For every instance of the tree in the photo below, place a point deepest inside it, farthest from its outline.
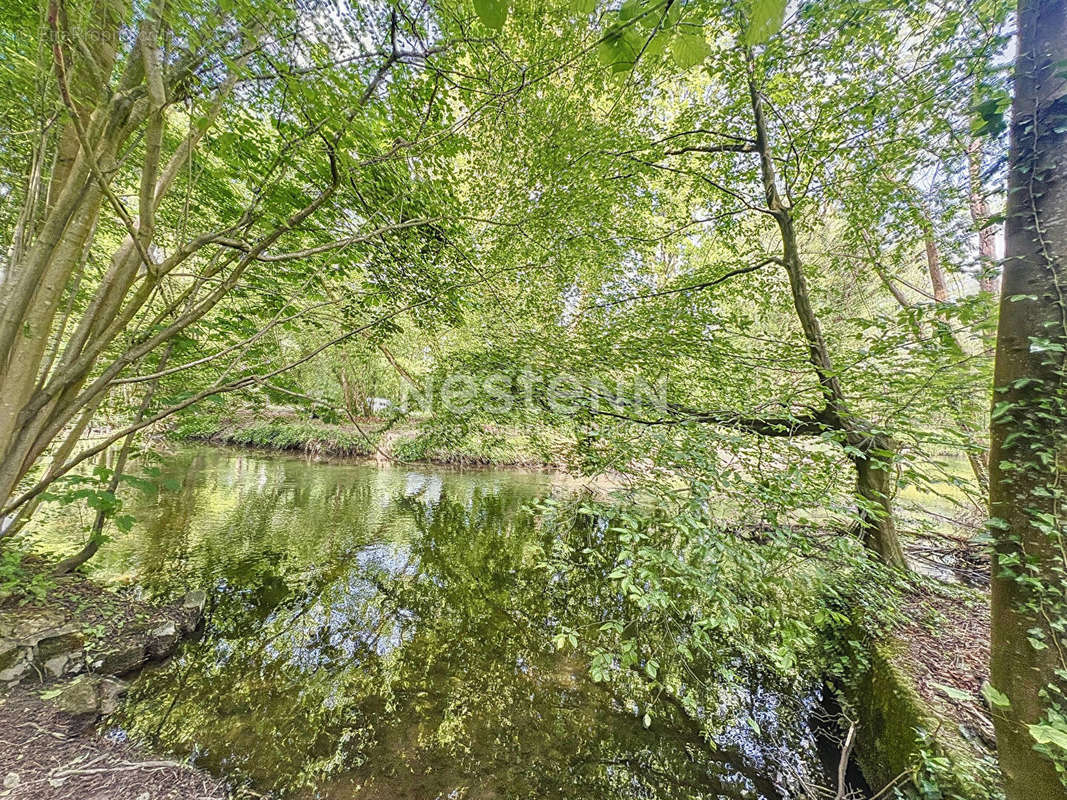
(1029, 423)
(755, 164)
(268, 152)
(871, 451)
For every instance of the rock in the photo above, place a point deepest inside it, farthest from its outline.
(90, 694)
(41, 638)
(11, 780)
(14, 661)
(15, 672)
(195, 601)
(64, 664)
(32, 624)
(59, 652)
(191, 610)
(56, 666)
(121, 659)
(111, 691)
(80, 696)
(61, 641)
(164, 640)
(10, 654)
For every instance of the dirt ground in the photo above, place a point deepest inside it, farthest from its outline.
(47, 754)
(50, 754)
(947, 635)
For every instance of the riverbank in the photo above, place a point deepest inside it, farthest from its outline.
(68, 649)
(407, 442)
(918, 695)
(50, 754)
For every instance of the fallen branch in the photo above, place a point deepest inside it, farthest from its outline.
(152, 765)
(842, 765)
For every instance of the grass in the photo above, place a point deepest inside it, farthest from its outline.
(491, 445)
(499, 446)
(299, 435)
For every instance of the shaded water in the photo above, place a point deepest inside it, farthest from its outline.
(388, 633)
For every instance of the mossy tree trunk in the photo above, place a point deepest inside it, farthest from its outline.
(1029, 423)
(874, 493)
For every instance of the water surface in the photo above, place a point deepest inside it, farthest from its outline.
(388, 633)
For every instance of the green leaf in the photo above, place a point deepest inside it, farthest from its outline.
(954, 693)
(688, 50)
(1046, 734)
(995, 697)
(629, 9)
(492, 13)
(765, 20)
(657, 45)
(619, 50)
(987, 117)
(583, 6)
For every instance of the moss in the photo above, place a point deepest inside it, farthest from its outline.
(900, 734)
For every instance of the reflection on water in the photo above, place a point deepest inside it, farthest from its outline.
(388, 633)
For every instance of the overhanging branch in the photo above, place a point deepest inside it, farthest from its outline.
(811, 424)
(696, 286)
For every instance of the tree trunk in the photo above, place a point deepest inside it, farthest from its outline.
(933, 262)
(987, 251)
(874, 495)
(96, 532)
(92, 545)
(978, 459)
(59, 457)
(874, 477)
(1029, 422)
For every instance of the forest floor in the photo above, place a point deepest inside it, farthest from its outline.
(65, 644)
(946, 617)
(917, 693)
(946, 637)
(50, 754)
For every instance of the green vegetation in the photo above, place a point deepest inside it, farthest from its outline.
(403, 443)
(911, 740)
(305, 436)
(734, 260)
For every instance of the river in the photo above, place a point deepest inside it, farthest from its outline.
(388, 632)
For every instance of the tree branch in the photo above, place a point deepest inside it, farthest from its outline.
(696, 286)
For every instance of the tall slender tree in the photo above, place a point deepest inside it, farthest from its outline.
(185, 153)
(1029, 423)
